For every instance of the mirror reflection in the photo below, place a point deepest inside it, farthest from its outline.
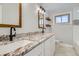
(9, 13)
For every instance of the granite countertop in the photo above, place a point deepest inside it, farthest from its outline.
(22, 44)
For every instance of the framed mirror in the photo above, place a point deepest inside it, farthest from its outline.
(10, 15)
(40, 20)
(41, 17)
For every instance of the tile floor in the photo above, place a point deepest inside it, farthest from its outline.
(64, 50)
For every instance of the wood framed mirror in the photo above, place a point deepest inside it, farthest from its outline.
(11, 15)
(41, 17)
(40, 20)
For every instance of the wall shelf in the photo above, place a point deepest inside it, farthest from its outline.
(48, 25)
(47, 18)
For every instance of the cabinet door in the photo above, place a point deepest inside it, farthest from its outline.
(42, 49)
(35, 52)
(52, 45)
(76, 13)
(47, 47)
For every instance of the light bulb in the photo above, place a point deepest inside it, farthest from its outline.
(38, 9)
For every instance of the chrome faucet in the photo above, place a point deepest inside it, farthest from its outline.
(12, 35)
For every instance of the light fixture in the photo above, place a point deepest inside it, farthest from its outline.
(37, 8)
(40, 9)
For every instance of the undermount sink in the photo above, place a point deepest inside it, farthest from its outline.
(13, 46)
(35, 37)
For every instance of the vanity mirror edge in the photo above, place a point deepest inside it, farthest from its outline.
(20, 19)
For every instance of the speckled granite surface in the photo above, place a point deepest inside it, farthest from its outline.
(33, 40)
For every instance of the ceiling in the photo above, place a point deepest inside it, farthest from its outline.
(58, 6)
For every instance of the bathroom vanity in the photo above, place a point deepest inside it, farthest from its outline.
(29, 45)
(45, 48)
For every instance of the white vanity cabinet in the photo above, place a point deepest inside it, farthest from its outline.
(46, 48)
(35, 52)
(52, 45)
(42, 49)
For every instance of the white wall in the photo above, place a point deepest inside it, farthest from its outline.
(63, 32)
(0, 14)
(29, 20)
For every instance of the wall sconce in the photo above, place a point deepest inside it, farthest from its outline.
(40, 9)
